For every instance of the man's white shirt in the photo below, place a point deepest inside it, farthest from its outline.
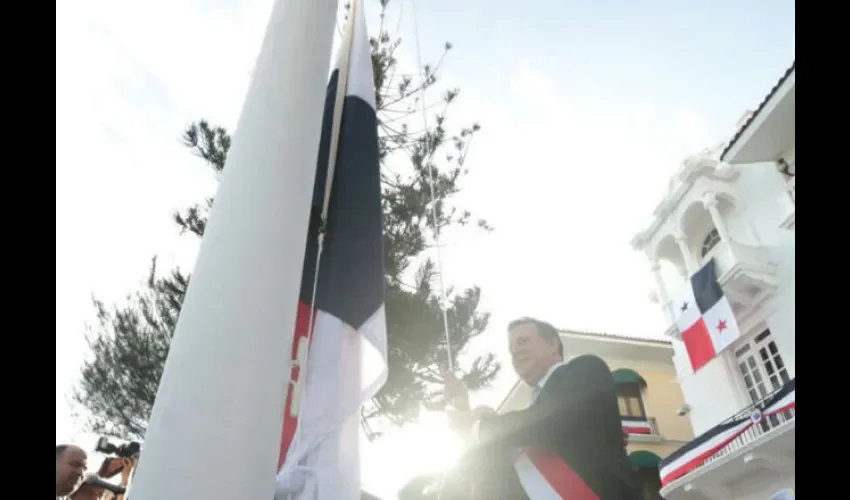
(540, 383)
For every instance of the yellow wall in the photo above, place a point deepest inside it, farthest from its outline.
(662, 398)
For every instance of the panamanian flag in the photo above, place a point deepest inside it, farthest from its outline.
(347, 362)
(704, 317)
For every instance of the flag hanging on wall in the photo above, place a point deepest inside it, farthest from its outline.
(346, 356)
(704, 317)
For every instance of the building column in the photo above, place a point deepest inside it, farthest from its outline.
(687, 255)
(709, 201)
(662, 291)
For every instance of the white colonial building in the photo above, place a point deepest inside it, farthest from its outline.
(735, 203)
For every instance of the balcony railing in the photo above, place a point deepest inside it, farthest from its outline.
(734, 433)
(653, 424)
(728, 255)
(767, 424)
(640, 426)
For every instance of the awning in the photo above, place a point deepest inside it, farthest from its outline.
(626, 376)
(643, 459)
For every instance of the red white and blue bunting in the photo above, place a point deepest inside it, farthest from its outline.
(697, 451)
(636, 426)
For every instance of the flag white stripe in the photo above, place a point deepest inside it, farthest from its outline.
(374, 367)
(685, 297)
(360, 83)
(345, 370)
(533, 483)
(721, 312)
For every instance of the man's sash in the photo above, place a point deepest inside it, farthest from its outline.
(546, 476)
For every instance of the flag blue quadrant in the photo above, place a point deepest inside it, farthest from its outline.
(346, 364)
(707, 291)
(351, 274)
(705, 317)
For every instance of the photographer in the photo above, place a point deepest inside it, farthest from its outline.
(70, 467)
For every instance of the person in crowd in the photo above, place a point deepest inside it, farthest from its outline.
(70, 467)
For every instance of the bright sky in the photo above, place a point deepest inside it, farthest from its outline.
(586, 108)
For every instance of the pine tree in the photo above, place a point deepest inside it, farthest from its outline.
(130, 341)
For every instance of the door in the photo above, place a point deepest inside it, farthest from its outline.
(761, 366)
(763, 371)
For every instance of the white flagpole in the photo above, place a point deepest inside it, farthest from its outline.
(215, 428)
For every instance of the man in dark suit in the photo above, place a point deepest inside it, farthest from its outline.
(573, 414)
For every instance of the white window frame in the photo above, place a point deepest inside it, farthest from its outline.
(754, 346)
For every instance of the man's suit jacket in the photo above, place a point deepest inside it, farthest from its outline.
(576, 416)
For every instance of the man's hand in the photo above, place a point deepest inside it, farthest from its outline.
(461, 416)
(457, 402)
(455, 392)
(481, 412)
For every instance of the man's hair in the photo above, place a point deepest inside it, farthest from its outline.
(60, 450)
(546, 331)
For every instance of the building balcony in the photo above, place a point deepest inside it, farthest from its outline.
(755, 447)
(642, 430)
(746, 274)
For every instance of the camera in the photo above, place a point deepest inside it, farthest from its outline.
(98, 482)
(127, 450)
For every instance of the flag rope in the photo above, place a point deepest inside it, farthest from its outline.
(431, 182)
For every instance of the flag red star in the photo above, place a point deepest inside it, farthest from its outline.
(721, 325)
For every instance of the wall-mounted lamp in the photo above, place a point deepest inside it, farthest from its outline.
(784, 168)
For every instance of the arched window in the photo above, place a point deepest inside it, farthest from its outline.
(711, 240)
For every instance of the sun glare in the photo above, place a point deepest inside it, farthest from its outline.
(424, 448)
(438, 448)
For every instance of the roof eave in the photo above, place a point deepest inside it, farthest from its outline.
(776, 93)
